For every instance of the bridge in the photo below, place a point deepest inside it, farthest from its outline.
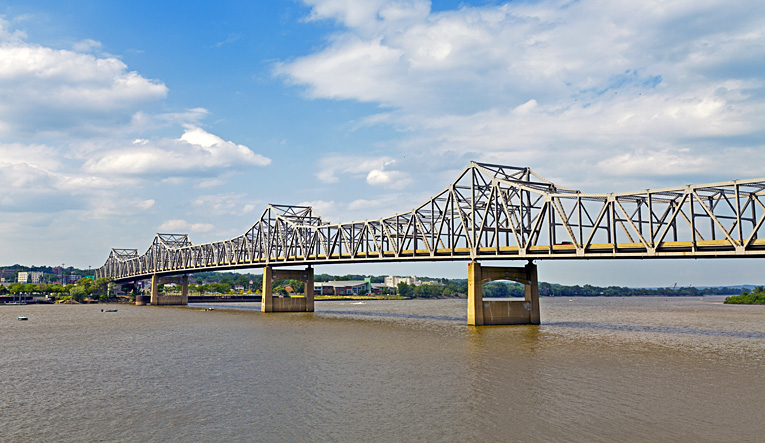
(490, 212)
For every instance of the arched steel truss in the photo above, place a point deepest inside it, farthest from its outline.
(488, 212)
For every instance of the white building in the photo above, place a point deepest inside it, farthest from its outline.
(35, 277)
(392, 281)
(29, 277)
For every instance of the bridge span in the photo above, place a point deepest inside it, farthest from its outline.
(490, 212)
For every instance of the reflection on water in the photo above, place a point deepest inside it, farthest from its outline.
(634, 369)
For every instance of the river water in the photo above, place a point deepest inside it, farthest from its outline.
(597, 369)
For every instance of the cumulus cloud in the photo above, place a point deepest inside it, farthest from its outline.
(195, 151)
(561, 86)
(79, 134)
(387, 178)
(44, 89)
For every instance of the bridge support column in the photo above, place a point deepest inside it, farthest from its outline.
(267, 298)
(168, 300)
(154, 300)
(475, 295)
(269, 303)
(502, 312)
(185, 289)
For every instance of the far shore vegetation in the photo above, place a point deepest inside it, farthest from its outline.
(756, 297)
(88, 289)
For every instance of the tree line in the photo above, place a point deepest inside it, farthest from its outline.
(84, 288)
(511, 289)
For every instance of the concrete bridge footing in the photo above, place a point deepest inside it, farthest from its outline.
(168, 300)
(502, 312)
(269, 303)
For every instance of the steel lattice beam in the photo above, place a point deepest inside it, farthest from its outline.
(489, 212)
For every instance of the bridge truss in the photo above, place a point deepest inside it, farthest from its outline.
(488, 212)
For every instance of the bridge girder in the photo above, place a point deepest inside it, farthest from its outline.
(488, 212)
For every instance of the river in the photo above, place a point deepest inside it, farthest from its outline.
(597, 369)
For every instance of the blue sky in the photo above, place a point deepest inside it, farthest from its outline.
(122, 119)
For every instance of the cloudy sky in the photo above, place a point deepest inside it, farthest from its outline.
(122, 119)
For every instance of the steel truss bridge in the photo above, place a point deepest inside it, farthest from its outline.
(489, 212)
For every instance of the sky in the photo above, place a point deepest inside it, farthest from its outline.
(119, 119)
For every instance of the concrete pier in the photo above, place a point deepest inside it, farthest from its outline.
(169, 300)
(269, 303)
(502, 312)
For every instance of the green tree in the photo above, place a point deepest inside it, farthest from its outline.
(427, 291)
(78, 293)
(57, 289)
(405, 290)
(86, 284)
(100, 288)
(756, 297)
(297, 286)
(222, 288)
(242, 280)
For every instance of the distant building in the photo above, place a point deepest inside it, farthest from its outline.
(36, 277)
(72, 279)
(29, 277)
(348, 287)
(7, 275)
(392, 281)
(432, 282)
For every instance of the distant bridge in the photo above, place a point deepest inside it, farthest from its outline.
(489, 212)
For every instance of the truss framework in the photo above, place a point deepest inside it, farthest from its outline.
(488, 212)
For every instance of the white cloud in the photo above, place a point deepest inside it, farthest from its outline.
(327, 210)
(195, 151)
(376, 170)
(105, 205)
(79, 135)
(361, 70)
(86, 45)
(44, 89)
(571, 89)
(387, 178)
(178, 226)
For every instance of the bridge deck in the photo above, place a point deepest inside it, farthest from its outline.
(488, 212)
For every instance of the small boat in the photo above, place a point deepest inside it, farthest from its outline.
(23, 318)
(110, 310)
